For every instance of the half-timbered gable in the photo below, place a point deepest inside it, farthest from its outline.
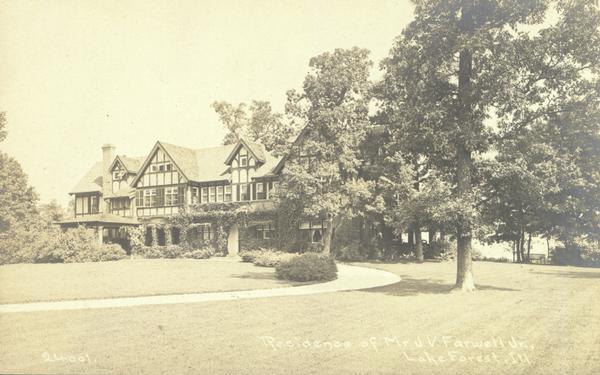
(250, 171)
(160, 186)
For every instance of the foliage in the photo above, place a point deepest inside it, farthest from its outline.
(17, 198)
(307, 267)
(2, 126)
(261, 125)
(460, 65)
(269, 258)
(583, 252)
(443, 250)
(250, 255)
(350, 253)
(203, 253)
(321, 171)
(175, 251)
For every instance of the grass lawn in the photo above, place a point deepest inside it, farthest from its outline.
(52, 282)
(524, 319)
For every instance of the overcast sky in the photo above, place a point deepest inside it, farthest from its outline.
(77, 74)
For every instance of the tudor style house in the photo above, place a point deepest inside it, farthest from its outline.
(122, 191)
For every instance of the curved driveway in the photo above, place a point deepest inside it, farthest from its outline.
(349, 278)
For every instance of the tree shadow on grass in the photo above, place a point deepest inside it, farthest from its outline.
(411, 287)
(257, 276)
(570, 274)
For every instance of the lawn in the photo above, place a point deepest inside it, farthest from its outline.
(125, 278)
(524, 319)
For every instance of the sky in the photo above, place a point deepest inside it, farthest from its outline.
(75, 75)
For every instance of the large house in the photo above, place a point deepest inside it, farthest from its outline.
(121, 191)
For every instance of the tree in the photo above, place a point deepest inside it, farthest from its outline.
(51, 212)
(460, 64)
(2, 126)
(258, 124)
(321, 170)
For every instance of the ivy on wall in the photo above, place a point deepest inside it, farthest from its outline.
(222, 216)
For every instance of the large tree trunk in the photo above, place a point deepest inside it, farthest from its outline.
(411, 237)
(418, 244)
(518, 249)
(529, 248)
(328, 237)
(523, 246)
(431, 235)
(464, 253)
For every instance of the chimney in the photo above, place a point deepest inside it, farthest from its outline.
(108, 155)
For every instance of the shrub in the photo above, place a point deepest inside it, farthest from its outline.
(175, 251)
(350, 253)
(203, 253)
(267, 258)
(439, 250)
(307, 267)
(108, 252)
(248, 256)
(582, 252)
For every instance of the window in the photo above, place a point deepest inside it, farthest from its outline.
(119, 204)
(171, 196)
(265, 231)
(93, 204)
(227, 197)
(219, 193)
(204, 195)
(118, 175)
(314, 230)
(260, 191)
(244, 192)
(195, 196)
(148, 237)
(150, 198)
(212, 197)
(205, 231)
(139, 198)
(175, 236)
(316, 235)
(161, 167)
(160, 237)
(243, 161)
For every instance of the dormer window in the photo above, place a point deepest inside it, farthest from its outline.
(243, 161)
(118, 175)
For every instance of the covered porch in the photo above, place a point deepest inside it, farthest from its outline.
(109, 228)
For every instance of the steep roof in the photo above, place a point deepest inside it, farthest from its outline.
(200, 165)
(132, 164)
(205, 164)
(91, 181)
(256, 149)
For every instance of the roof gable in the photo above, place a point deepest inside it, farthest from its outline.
(144, 167)
(255, 149)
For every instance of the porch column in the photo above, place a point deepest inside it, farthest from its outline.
(100, 233)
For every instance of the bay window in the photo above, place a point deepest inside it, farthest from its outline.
(227, 197)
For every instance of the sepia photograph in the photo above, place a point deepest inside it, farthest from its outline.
(300, 187)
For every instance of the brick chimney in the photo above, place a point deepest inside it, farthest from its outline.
(108, 155)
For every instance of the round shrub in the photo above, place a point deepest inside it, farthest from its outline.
(108, 252)
(203, 253)
(307, 267)
(267, 258)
